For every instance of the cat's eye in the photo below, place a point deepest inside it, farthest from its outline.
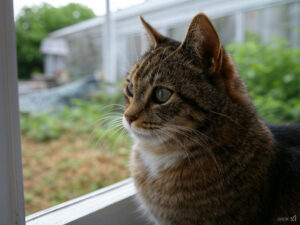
(129, 89)
(161, 95)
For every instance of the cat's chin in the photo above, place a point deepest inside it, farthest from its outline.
(144, 136)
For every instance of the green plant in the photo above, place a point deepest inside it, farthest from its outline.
(34, 23)
(73, 151)
(96, 118)
(272, 74)
(40, 127)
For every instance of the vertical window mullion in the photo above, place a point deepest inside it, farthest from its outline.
(11, 181)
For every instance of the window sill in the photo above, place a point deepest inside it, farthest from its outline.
(112, 205)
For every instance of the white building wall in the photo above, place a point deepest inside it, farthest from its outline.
(232, 19)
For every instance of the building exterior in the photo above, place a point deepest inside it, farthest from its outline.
(55, 52)
(232, 18)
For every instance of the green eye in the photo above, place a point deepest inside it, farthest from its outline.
(161, 95)
(130, 89)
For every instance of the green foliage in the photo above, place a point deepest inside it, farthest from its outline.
(33, 24)
(40, 127)
(96, 118)
(272, 74)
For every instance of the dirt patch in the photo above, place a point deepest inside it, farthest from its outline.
(62, 169)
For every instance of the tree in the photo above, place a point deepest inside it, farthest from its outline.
(33, 24)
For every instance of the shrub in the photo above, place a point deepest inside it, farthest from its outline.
(272, 74)
(34, 23)
(96, 117)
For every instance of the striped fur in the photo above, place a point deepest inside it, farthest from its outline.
(204, 156)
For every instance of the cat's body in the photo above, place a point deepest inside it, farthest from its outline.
(285, 192)
(201, 153)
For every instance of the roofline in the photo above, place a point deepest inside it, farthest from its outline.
(118, 15)
(124, 19)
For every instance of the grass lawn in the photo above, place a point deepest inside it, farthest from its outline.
(65, 168)
(78, 150)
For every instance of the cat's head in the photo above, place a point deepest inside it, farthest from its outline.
(179, 87)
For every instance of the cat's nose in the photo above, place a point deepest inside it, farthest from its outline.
(130, 118)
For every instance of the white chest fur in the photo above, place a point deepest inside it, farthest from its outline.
(155, 163)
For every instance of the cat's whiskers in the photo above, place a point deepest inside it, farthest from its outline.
(180, 129)
(183, 147)
(117, 130)
(112, 109)
(113, 105)
(112, 132)
(227, 117)
(112, 120)
(99, 138)
(108, 122)
(109, 116)
(178, 142)
(181, 133)
(203, 145)
(106, 117)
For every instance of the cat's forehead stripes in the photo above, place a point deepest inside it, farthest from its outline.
(134, 69)
(136, 73)
(150, 64)
(143, 73)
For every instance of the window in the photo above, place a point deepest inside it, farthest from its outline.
(118, 199)
(69, 148)
(11, 185)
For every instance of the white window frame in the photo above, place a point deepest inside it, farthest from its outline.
(112, 205)
(11, 182)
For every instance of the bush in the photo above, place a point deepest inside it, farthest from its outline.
(272, 74)
(40, 127)
(34, 23)
(74, 151)
(99, 117)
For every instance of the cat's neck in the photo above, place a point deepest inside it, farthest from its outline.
(216, 149)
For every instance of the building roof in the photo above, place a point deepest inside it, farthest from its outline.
(169, 12)
(136, 10)
(57, 46)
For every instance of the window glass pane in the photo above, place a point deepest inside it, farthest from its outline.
(72, 138)
(71, 66)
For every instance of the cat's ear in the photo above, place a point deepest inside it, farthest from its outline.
(203, 41)
(154, 35)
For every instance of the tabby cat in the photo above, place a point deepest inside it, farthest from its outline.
(201, 154)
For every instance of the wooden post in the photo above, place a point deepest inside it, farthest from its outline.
(239, 27)
(109, 47)
(266, 24)
(294, 12)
